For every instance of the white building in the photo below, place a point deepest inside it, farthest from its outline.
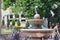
(7, 15)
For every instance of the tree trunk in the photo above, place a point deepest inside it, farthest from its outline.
(0, 16)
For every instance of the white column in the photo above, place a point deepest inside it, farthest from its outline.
(9, 17)
(5, 20)
(15, 23)
(20, 17)
(10, 23)
(13, 16)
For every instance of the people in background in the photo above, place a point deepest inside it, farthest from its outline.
(53, 25)
(15, 35)
(56, 27)
(57, 31)
(50, 26)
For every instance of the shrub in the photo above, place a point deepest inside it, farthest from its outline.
(27, 24)
(2, 22)
(13, 22)
(18, 23)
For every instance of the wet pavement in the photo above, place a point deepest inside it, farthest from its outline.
(9, 37)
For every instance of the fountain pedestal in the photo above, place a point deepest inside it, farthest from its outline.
(36, 33)
(35, 23)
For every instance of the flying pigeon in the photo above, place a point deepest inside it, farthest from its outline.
(52, 13)
(55, 6)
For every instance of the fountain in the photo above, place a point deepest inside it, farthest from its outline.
(35, 31)
(36, 22)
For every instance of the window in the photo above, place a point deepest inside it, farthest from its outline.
(11, 16)
(10, 20)
(15, 20)
(22, 16)
(23, 19)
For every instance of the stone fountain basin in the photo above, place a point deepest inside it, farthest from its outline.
(36, 32)
(35, 21)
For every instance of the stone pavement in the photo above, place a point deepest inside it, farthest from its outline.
(2, 38)
(9, 37)
(5, 37)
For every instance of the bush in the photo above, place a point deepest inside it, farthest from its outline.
(2, 22)
(27, 24)
(13, 22)
(18, 23)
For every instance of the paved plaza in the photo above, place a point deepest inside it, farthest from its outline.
(9, 37)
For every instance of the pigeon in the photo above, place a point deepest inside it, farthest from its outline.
(52, 13)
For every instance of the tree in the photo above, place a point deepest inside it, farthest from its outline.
(0, 16)
(44, 7)
(7, 3)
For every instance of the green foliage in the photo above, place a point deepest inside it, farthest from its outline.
(16, 16)
(13, 22)
(7, 3)
(28, 7)
(53, 19)
(2, 22)
(18, 23)
(27, 24)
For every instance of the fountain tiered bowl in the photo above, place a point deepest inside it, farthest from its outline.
(35, 21)
(36, 33)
